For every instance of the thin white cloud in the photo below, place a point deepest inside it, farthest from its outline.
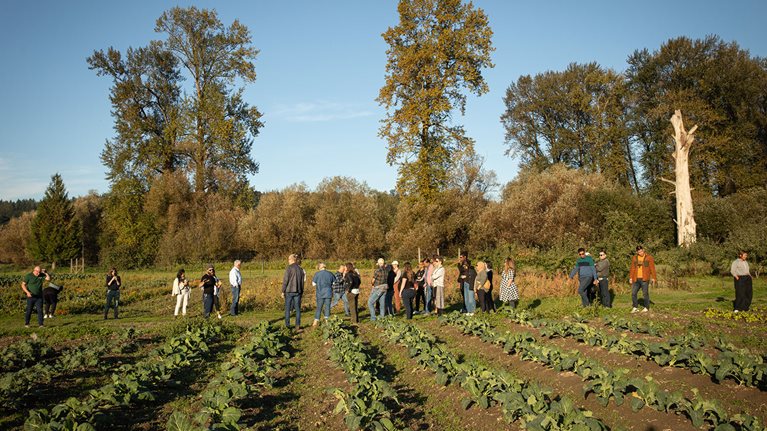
(31, 183)
(321, 111)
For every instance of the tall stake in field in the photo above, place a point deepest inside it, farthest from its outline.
(438, 48)
(685, 219)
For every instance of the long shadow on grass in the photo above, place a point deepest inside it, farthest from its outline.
(407, 396)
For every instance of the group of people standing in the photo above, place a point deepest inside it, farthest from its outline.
(392, 287)
(210, 285)
(593, 276)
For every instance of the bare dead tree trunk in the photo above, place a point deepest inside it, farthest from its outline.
(685, 220)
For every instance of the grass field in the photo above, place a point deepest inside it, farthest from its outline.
(687, 364)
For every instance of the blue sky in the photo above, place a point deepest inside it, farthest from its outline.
(320, 68)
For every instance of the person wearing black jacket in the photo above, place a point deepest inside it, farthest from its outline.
(208, 286)
(352, 283)
(113, 292)
(293, 289)
(50, 299)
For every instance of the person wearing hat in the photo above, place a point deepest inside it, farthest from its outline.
(208, 286)
(378, 293)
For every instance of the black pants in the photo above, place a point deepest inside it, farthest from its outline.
(352, 298)
(36, 303)
(420, 296)
(743, 293)
(407, 300)
(50, 299)
(604, 292)
(485, 300)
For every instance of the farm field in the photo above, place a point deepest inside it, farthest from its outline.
(687, 364)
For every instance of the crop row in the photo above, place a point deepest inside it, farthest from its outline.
(246, 371)
(732, 363)
(605, 383)
(535, 407)
(130, 383)
(756, 315)
(364, 405)
(623, 324)
(15, 385)
(23, 352)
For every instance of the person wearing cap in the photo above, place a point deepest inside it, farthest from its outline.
(438, 278)
(642, 270)
(323, 283)
(208, 286)
(32, 285)
(741, 274)
(293, 289)
(603, 272)
(378, 293)
(393, 299)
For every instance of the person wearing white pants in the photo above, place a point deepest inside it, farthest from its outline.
(181, 292)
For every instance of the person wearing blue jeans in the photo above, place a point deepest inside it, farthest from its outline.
(470, 302)
(293, 302)
(292, 289)
(235, 280)
(339, 290)
(587, 273)
(323, 282)
(32, 285)
(378, 294)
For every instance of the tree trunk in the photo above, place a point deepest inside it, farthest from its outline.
(686, 228)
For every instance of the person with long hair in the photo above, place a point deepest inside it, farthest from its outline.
(482, 286)
(352, 283)
(407, 289)
(438, 278)
(181, 292)
(113, 292)
(420, 284)
(509, 294)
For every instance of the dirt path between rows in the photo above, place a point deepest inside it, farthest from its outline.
(440, 404)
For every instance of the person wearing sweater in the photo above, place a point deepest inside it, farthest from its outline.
(587, 273)
(641, 272)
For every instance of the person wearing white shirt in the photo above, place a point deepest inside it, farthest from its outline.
(235, 280)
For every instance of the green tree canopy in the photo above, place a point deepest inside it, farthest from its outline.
(205, 128)
(577, 117)
(720, 88)
(55, 230)
(437, 50)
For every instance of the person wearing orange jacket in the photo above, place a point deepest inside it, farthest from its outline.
(642, 271)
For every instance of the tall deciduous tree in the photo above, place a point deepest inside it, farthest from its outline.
(55, 230)
(438, 50)
(577, 117)
(205, 128)
(719, 87)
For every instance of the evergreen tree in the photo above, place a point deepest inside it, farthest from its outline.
(55, 230)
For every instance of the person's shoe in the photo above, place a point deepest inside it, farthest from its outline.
(645, 310)
(736, 311)
(50, 316)
(40, 326)
(315, 323)
(45, 316)
(634, 310)
(26, 326)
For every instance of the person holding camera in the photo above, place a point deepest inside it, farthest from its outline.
(32, 285)
(113, 292)
(208, 286)
(181, 292)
